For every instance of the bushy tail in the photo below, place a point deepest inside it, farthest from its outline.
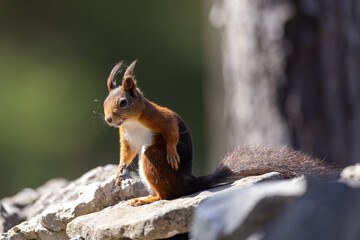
(255, 160)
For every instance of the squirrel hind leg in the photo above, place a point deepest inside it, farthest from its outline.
(149, 199)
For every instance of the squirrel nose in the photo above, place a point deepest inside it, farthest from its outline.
(109, 119)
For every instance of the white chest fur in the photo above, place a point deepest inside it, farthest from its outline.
(137, 135)
(139, 138)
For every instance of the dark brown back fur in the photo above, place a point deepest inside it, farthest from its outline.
(165, 181)
(242, 162)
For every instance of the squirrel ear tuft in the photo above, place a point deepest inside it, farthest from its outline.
(110, 82)
(129, 82)
(130, 69)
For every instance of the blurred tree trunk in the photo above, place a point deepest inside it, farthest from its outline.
(290, 71)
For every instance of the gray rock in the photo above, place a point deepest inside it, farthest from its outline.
(239, 213)
(161, 219)
(16, 209)
(31, 202)
(78, 237)
(82, 199)
(51, 195)
(92, 198)
(33, 229)
(328, 211)
(8, 217)
(351, 175)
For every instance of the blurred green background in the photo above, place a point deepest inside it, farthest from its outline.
(55, 58)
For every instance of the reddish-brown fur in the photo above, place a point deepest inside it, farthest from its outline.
(162, 120)
(167, 161)
(126, 155)
(162, 178)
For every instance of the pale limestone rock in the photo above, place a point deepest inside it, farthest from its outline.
(31, 202)
(33, 229)
(239, 213)
(327, 211)
(70, 191)
(78, 199)
(161, 219)
(16, 209)
(92, 198)
(351, 175)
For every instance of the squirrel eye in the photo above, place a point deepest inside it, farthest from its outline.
(123, 103)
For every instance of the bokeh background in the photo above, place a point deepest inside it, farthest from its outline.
(55, 58)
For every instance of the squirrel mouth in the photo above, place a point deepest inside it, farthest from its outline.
(121, 122)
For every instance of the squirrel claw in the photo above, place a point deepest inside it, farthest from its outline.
(119, 172)
(173, 160)
(118, 181)
(135, 202)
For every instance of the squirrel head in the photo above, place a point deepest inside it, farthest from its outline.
(124, 103)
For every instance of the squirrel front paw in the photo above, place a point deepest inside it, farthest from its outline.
(118, 180)
(118, 177)
(173, 159)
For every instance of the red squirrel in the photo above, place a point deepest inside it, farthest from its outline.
(164, 145)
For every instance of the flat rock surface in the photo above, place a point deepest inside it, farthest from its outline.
(161, 219)
(30, 202)
(90, 193)
(351, 175)
(239, 213)
(327, 211)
